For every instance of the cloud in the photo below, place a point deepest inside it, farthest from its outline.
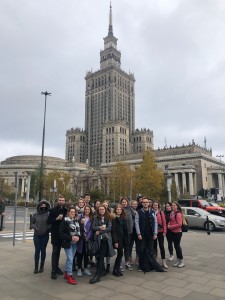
(175, 48)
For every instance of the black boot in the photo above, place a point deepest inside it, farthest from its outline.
(36, 269)
(107, 270)
(95, 279)
(115, 272)
(41, 269)
(119, 271)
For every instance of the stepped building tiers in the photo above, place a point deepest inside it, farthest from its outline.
(109, 112)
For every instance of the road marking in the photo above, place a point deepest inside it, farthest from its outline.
(18, 235)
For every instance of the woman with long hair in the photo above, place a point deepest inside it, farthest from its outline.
(70, 234)
(102, 230)
(167, 212)
(119, 236)
(161, 220)
(85, 221)
(134, 238)
(175, 226)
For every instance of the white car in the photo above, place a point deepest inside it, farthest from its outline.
(197, 217)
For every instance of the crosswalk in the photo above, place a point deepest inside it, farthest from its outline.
(18, 235)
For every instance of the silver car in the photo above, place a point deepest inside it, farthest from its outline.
(197, 217)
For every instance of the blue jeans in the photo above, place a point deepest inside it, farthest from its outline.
(40, 244)
(70, 253)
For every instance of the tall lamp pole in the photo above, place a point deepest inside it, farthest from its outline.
(220, 156)
(43, 146)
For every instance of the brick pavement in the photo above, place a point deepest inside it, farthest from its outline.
(202, 278)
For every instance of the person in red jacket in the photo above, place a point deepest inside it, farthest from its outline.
(175, 226)
(161, 219)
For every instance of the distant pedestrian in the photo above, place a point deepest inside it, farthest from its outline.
(56, 215)
(41, 234)
(70, 235)
(175, 226)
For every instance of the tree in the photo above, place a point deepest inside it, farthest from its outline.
(149, 179)
(120, 180)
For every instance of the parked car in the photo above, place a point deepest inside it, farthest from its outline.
(197, 217)
(217, 205)
(201, 204)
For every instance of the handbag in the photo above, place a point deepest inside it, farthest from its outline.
(184, 225)
(92, 246)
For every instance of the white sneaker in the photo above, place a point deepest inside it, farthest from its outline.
(164, 264)
(79, 273)
(128, 267)
(121, 268)
(87, 272)
(181, 264)
(170, 258)
(176, 263)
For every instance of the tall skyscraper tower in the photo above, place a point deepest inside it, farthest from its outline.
(109, 105)
(109, 112)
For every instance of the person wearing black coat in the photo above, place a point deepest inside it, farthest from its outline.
(41, 234)
(56, 215)
(119, 237)
(70, 235)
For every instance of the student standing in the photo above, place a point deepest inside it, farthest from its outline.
(119, 237)
(175, 226)
(102, 229)
(41, 234)
(70, 234)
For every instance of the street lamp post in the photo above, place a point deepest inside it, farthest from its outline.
(169, 183)
(220, 156)
(43, 146)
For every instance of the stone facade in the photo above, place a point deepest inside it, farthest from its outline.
(109, 103)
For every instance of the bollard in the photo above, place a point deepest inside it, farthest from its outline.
(207, 220)
(31, 215)
(1, 222)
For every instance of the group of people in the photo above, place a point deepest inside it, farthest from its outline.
(115, 231)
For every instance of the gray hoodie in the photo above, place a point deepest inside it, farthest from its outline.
(39, 220)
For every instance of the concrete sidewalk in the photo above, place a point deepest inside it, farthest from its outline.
(202, 278)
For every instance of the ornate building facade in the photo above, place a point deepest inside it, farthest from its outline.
(109, 112)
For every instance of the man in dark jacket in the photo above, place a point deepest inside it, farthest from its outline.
(147, 229)
(56, 215)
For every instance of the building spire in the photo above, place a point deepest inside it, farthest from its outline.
(110, 20)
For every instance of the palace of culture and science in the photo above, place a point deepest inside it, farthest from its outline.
(109, 112)
(110, 136)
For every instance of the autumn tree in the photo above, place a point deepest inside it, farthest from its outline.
(120, 180)
(149, 179)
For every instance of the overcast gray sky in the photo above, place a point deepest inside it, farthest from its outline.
(176, 49)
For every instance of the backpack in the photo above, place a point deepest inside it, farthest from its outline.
(184, 226)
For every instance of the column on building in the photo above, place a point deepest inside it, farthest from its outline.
(184, 186)
(22, 187)
(177, 183)
(220, 182)
(191, 185)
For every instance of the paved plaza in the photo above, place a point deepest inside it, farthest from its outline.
(202, 278)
